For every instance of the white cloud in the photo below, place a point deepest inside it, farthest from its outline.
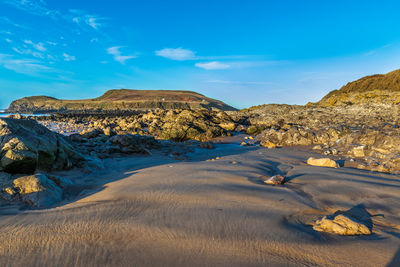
(68, 57)
(24, 66)
(213, 65)
(114, 51)
(176, 54)
(37, 46)
(8, 40)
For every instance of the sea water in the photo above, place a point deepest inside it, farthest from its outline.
(3, 114)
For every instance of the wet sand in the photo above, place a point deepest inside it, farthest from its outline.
(156, 211)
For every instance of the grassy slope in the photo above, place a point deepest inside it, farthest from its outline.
(370, 89)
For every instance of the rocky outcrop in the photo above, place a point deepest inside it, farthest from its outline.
(118, 101)
(27, 146)
(176, 125)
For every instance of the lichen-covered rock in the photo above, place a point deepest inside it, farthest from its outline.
(27, 146)
(323, 162)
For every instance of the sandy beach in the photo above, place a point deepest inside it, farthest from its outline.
(157, 211)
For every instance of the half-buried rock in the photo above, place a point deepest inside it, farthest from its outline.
(26, 146)
(341, 224)
(324, 162)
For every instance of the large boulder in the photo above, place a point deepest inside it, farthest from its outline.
(26, 146)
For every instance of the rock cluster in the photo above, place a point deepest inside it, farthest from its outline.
(176, 125)
(376, 149)
(367, 135)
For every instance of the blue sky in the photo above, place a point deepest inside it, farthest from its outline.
(242, 52)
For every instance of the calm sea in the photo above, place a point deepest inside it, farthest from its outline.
(2, 114)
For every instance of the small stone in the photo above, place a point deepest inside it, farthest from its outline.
(207, 145)
(275, 180)
(268, 144)
(317, 147)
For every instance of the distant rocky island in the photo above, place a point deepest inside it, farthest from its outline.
(117, 101)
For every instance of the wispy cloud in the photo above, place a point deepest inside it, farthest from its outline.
(39, 7)
(7, 21)
(116, 53)
(213, 65)
(68, 57)
(80, 17)
(38, 46)
(176, 54)
(34, 7)
(182, 54)
(24, 66)
(30, 52)
(8, 40)
(239, 82)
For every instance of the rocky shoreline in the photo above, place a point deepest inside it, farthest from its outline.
(365, 137)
